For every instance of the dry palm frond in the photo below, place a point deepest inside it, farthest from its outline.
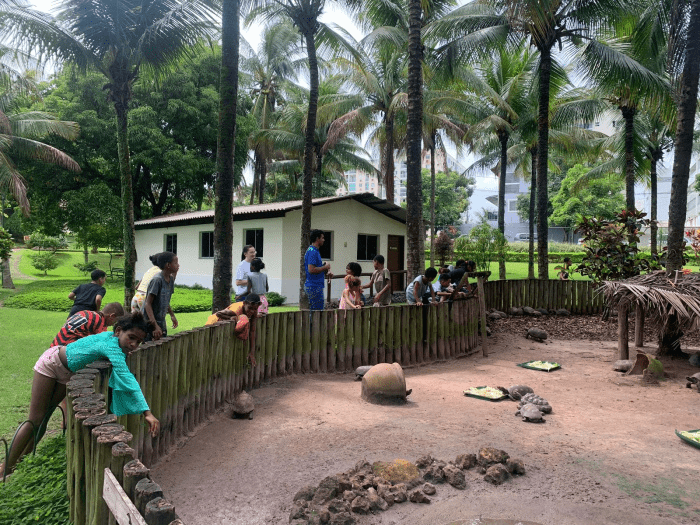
(659, 296)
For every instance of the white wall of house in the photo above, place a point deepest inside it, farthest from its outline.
(281, 238)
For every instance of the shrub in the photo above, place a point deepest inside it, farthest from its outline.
(275, 299)
(443, 247)
(46, 242)
(44, 261)
(36, 492)
(86, 268)
(6, 243)
(483, 245)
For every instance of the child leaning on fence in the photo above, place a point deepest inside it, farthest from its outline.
(58, 364)
(244, 313)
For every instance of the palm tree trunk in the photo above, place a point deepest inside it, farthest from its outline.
(309, 153)
(531, 217)
(256, 177)
(414, 186)
(389, 156)
(432, 200)
(654, 201)
(261, 180)
(503, 138)
(684, 141)
(226, 143)
(628, 115)
(121, 108)
(542, 159)
(6, 275)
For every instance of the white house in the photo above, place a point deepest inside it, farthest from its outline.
(356, 227)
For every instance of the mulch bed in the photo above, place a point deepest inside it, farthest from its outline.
(588, 327)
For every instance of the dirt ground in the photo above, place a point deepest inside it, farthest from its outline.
(607, 453)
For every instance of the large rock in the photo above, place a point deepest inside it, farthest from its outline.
(418, 496)
(375, 501)
(455, 477)
(515, 466)
(466, 461)
(488, 456)
(360, 505)
(384, 384)
(305, 494)
(326, 491)
(496, 474)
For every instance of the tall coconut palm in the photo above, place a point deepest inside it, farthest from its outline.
(119, 38)
(225, 178)
(546, 23)
(305, 16)
(21, 133)
(268, 69)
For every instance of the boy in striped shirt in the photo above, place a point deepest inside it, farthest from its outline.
(86, 322)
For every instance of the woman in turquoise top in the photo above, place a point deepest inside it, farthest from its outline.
(56, 366)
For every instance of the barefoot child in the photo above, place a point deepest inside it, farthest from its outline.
(257, 284)
(58, 364)
(160, 290)
(351, 295)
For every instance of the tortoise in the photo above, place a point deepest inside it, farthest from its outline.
(530, 413)
(540, 402)
(518, 391)
(531, 311)
(537, 334)
(361, 371)
(243, 406)
(693, 380)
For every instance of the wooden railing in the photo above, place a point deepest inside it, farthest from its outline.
(579, 297)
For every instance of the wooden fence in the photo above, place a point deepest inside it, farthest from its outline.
(189, 376)
(579, 297)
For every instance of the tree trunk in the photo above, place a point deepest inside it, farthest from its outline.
(684, 141)
(307, 186)
(531, 217)
(85, 252)
(503, 139)
(414, 187)
(261, 180)
(432, 200)
(6, 275)
(542, 160)
(226, 143)
(389, 168)
(654, 202)
(121, 107)
(628, 115)
(256, 172)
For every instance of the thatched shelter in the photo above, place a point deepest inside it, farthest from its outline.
(671, 304)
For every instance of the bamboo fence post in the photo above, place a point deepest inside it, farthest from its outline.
(323, 341)
(356, 338)
(380, 319)
(174, 360)
(306, 353)
(349, 339)
(159, 512)
(315, 340)
(373, 320)
(366, 336)
(482, 308)
(91, 488)
(216, 336)
(432, 312)
(145, 491)
(184, 383)
(405, 339)
(121, 453)
(450, 318)
(389, 335)
(398, 358)
(622, 342)
(230, 362)
(81, 466)
(440, 330)
(412, 329)
(330, 350)
(639, 326)
(148, 387)
(157, 392)
(299, 335)
(211, 372)
(134, 471)
(341, 340)
(289, 367)
(105, 442)
(268, 347)
(282, 346)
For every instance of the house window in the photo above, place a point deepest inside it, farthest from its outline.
(367, 247)
(491, 216)
(513, 205)
(255, 237)
(171, 242)
(351, 187)
(351, 178)
(327, 249)
(206, 245)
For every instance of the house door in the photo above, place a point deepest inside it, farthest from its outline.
(394, 261)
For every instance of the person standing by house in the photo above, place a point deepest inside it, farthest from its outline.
(142, 288)
(257, 284)
(247, 257)
(381, 279)
(316, 271)
(160, 290)
(89, 296)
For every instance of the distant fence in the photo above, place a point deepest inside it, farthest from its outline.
(579, 297)
(189, 376)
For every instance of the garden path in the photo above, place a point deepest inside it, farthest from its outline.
(14, 266)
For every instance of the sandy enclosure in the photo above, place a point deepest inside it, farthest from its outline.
(607, 453)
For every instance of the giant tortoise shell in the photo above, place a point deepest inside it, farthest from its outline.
(530, 413)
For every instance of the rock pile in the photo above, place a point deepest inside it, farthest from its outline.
(371, 488)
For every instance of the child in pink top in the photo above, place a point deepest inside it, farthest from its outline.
(351, 295)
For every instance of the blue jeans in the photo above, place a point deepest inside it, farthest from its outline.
(315, 294)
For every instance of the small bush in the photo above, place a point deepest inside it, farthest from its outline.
(275, 299)
(46, 242)
(6, 243)
(36, 492)
(44, 261)
(86, 268)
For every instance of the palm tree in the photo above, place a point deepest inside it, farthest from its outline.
(119, 38)
(269, 68)
(21, 132)
(225, 178)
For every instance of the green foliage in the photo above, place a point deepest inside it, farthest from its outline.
(612, 251)
(46, 242)
(15, 226)
(599, 197)
(483, 245)
(86, 268)
(444, 247)
(451, 194)
(94, 214)
(44, 261)
(275, 299)
(6, 244)
(36, 492)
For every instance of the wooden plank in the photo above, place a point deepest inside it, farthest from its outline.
(441, 350)
(119, 504)
(306, 354)
(340, 340)
(482, 308)
(357, 341)
(315, 340)
(349, 339)
(299, 336)
(416, 354)
(289, 367)
(322, 343)
(623, 351)
(381, 333)
(398, 358)
(366, 336)
(373, 315)
(389, 335)
(405, 338)
(281, 350)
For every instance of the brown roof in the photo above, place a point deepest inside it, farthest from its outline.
(272, 209)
